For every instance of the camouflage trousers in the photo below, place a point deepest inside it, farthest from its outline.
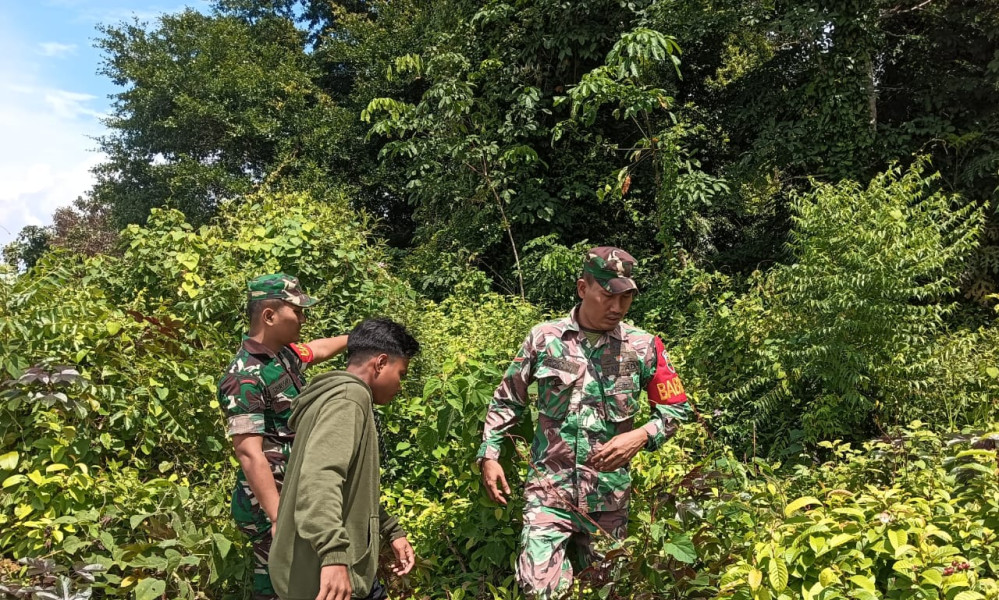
(553, 539)
(252, 521)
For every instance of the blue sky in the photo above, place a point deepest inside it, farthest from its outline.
(52, 99)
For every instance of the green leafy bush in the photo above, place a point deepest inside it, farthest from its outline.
(121, 459)
(928, 534)
(854, 334)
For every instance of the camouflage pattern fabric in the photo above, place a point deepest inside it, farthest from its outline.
(587, 394)
(552, 539)
(255, 525)
(611, 268)
(279, 286)
(256, 391)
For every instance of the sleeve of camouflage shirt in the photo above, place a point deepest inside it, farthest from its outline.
(507, 405)
(666, 416)
(243, 398)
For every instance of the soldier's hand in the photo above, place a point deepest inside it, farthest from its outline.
(619, 450)
(494, 480)
(334, 583)
(405, 558)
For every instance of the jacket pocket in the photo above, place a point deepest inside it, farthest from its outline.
(621, 399)
(365, 567)
(556, 390)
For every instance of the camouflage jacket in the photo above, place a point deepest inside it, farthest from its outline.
(257, 390)
(587, 394)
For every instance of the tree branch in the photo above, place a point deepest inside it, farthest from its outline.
(484, 173)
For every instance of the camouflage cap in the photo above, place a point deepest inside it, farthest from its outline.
(611, 267)
(279, 286)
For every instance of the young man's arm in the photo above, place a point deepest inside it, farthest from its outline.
(319, 507)
(390, 530)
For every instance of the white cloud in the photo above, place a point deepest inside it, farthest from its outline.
(56, 49)
(46, 126)
(47, 150)
(70, 105)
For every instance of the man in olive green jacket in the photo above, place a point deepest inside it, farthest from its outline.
(330, 519)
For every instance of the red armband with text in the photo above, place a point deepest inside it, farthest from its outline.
(665, 386)
(303, 352)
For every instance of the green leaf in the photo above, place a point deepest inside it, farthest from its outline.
(866, 583)
(113, 327)
(135, 520)
(839, 539)
(898, 538)
(852, 512)
(755, 578)
(188, 260)
(933, 577)
(791, 508)
(681, 548)
(969, 595)
(816, 543)
(993, 372)
(72, 543)
(9, 461)
(903, 567)
(222, 543)
(778, 574)
(149, 588)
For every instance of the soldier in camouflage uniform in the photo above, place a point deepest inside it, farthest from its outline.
(256, 391)
(590, 369)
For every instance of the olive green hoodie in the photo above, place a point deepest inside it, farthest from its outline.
(330, 513)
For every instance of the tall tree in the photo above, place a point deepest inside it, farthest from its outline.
(831, 89)
(496, 151)
(209, 106)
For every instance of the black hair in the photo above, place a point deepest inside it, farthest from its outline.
(379, 336)
(255, 307)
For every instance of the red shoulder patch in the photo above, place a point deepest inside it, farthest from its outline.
(665, 386)
(303, 352)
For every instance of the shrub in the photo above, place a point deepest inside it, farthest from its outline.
(112, 446)
(853, 335)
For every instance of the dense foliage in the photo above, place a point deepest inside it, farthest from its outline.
(115, 467)
(809, 188)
